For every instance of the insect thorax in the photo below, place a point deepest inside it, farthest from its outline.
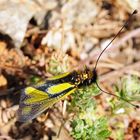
(86, 77)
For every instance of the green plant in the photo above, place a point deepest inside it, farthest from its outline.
(97, 130)
(128, 88)
(87, 125)
(58, 63)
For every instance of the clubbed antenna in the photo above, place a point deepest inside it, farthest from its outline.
(125, 24)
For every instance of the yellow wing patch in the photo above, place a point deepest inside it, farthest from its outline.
(26, 109)
(35, 95)
(34, 91)
(58, 76)
(59, 88)
(68, 93)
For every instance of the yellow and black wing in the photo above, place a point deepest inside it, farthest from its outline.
(35, 100)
